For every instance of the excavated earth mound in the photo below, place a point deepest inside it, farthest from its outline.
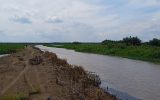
(35, 75)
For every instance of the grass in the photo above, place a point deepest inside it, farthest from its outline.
(19, 96)
(143, 52)
(7, 48)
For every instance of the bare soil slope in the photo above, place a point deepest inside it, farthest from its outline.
(35, 75)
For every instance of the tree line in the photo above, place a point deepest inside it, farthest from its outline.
(135, 41)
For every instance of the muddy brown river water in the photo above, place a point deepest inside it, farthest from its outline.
(126, 78)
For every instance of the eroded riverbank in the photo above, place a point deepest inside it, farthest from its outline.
(137, 78)
(36, 75)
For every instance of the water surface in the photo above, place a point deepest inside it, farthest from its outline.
(136, 78)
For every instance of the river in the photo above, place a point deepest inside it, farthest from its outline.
(126, 78)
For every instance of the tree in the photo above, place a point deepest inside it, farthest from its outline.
(108, 41)
(75, 42)
(155, 42)
(132, 40)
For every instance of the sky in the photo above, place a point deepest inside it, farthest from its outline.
(78, 20)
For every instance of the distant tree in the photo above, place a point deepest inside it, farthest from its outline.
(108, 41)
(75, 42)
(155, 42)
(132, 40)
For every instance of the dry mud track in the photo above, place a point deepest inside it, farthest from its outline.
(14, 81)
(38, 75)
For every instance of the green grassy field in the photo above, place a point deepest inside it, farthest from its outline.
(143, 52)
(6, 48)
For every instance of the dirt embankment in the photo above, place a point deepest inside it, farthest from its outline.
(35, 75)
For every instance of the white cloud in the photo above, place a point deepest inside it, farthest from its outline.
(81, 20)
(145, 3)
(21, 19)
(54, 19)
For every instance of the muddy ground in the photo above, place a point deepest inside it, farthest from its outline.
(35, 75)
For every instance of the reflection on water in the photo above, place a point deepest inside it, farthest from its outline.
(137, 78)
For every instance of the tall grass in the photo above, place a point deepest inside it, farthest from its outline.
(6, 48)
(142, 52)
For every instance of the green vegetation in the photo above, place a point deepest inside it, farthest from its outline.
(6, 48)
(19, 96)
(155, 42)
(132, 49)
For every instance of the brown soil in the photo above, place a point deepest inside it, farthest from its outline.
(35, 75)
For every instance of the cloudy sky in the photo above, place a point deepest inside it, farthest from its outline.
(78, 20)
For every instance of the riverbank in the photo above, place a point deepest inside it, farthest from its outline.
(32, 74)
(117, 73)
(143, 52)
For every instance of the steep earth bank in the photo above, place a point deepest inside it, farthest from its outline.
(35, 75)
